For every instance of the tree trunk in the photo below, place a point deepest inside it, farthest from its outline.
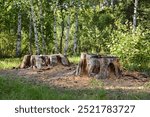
(62, 30)
(67, 36)
(55, 31)
(30, 35)
(35, 29)
(135, 15)
(42, 31)
(98, 66)
(76, 29)
(18, 46)
(25, 62)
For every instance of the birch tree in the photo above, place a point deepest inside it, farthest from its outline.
(62, 28)
(67, 32)
(76, 28)
(55, 29)
(35, 29)
(135, 15)
(41, 28)
(18, 45)
(30, 34)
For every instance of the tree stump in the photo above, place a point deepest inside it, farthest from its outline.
(37, 61)
(64, 60)
(98, 66)
(81, 68)
(53, 59)
(25, 62)
(40, 61)
(56, 59)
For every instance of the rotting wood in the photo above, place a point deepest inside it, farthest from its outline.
(94, 65)
(42, 61)
(25, 62)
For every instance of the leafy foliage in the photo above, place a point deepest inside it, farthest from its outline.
(102, 28)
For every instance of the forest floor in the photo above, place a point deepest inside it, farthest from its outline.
(62, 77)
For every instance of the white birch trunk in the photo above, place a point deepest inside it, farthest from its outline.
(62, 30)
(135, 15)
(30, 35)
(67, 36)
(35, 29)
(42, 31)
(55, 32)
(18, 46)
(76, 29)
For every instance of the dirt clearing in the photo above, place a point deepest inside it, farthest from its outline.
(61, 76)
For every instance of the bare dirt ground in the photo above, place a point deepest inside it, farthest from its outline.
(60, 76)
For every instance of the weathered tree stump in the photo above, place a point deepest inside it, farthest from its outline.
(40, 61)
(81, 68)
(58, 59)
(25, 62)
(98, 66)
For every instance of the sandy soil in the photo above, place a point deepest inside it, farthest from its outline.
(60, 76)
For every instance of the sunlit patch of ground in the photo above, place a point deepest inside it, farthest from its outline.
(60, 76)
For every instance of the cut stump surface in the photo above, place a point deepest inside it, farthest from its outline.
(98, 66)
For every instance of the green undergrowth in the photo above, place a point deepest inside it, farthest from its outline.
(74, 59)
(19, 89)
(8, 63)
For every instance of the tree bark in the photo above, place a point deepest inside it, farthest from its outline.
(62, 30)
(76, 29)
(135, 15)
(42, 61)
(42, 29)
(25, 62)
(81, 68)
(55, 30)
(98, 66)
(30, 35)
(18, 46)
(67, 34)
(35, 29)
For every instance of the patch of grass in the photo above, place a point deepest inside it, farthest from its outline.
(74, 59)
(7, 63)
(145, 68)
(17, 89)
(96, 83)
(118, 94)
